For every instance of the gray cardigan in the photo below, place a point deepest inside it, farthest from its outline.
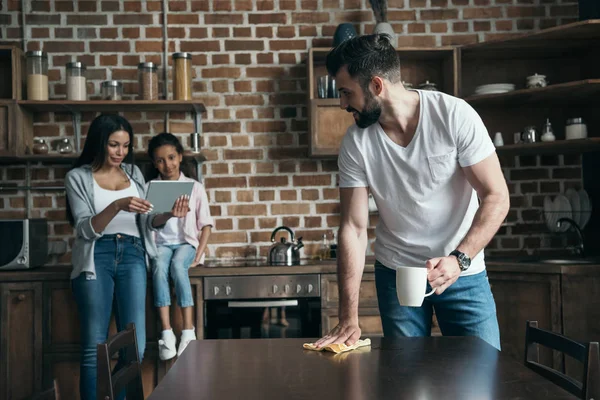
(79, 184)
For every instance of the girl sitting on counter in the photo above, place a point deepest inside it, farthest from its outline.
(180, 245)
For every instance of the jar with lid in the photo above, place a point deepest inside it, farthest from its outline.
(39, 146)
(576, 129)
(182, 76)
(64, 146)
(112, 90)
(76, 81)
(37, 75)
(148, 81)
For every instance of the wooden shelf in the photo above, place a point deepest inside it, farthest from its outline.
(567, 93)
(421, 53)
(70, 158)
(326, 102)
(554, 40)
(112, 105)
(547, 148)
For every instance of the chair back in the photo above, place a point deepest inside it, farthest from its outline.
(127, 375)
(587, 354)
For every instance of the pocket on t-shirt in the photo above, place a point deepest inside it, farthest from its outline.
(442, 166)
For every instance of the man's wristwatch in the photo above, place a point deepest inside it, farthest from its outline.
(464, 262)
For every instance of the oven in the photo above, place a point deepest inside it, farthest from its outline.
(262, 306)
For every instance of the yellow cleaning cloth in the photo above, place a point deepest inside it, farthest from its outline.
(339, 347)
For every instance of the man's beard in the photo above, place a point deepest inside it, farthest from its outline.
(370, 112)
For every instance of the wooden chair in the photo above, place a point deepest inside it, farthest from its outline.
(127, 375)
(50, 394)
(587, 354)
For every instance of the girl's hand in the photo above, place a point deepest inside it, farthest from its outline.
(181, 207)
(133, 204)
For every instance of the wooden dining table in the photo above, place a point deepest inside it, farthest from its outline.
(401, 368)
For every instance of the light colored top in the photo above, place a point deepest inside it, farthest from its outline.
(124, 221)
(172, 233)
(79, 184)
(198, 217)
(426, 205)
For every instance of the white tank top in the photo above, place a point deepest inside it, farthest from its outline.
(124, 221)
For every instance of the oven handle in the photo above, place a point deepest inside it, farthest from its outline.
(251, 304)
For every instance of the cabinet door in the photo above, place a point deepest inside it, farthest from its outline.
(523, 296)
(369, 321)
(581, 311)
(330, 291)
(21, 339)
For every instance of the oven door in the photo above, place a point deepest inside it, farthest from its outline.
(262, 318)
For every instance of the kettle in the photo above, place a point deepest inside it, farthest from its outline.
(284, 252)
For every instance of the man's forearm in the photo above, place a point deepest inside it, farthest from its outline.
(351, 263)
(489, 217)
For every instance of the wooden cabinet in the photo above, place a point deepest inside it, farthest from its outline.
(20, 339)
(328, 122)
(369, 320)
(526, 296)
(567, 55)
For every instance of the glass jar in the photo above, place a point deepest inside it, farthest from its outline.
(148, 81)
(182, 76)
(112, 90)
(575, 129)
(64, 146)
(37, 75)
(76, 81)
(39, 146)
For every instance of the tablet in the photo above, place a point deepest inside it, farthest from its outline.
(162, 194)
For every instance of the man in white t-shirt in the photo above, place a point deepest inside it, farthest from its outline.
(427, 158)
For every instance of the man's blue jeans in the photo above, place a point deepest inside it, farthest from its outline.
(466, 308)
(120, 283)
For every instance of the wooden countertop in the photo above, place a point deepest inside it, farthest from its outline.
(225, 268)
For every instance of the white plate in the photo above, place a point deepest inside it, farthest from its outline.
(585, 207)
(573, 197)
(495, 86)
(493, 91)
(562, 209)
(548, 215)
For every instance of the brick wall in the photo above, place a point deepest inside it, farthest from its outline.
(248, 58)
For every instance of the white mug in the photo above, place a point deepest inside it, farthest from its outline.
(411, 284)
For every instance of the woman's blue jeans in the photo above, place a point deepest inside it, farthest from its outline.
(120, 285)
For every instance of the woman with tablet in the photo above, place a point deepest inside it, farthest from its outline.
(113, 227)
(180, 244)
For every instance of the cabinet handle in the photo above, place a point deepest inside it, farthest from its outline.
(21, 297)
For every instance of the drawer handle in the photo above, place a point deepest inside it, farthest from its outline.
(21, 297)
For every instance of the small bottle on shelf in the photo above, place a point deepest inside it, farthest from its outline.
(324, 250)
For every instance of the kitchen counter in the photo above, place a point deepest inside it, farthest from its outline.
(230, 268)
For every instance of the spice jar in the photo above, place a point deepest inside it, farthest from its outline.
(148, 81)
(76, 82)
(112, 90)
(182, 76)
(37, 75)
(39, 146)
(64, 146)
(576, 129)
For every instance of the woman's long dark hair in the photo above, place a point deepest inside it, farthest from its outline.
(96, 142)
(163, 139)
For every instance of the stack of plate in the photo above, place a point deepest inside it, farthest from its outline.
(494, 88)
